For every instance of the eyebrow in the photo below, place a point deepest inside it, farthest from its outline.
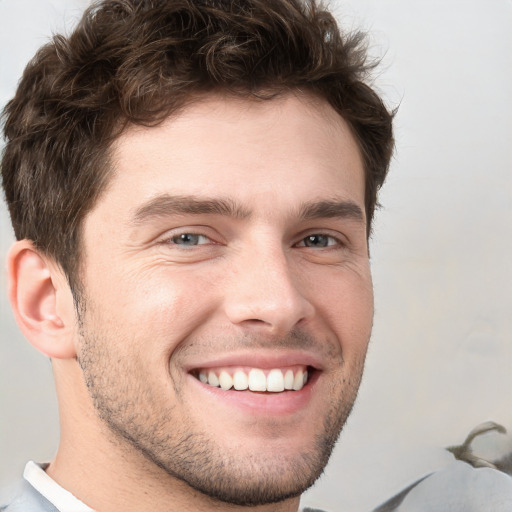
(343, 209)
(165, 205)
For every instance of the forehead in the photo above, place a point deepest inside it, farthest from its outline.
(257, 151)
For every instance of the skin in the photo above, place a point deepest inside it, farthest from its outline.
(262, 285)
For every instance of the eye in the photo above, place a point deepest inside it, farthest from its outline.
(189, 240)
(318, 241)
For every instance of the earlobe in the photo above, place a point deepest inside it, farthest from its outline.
(41, 300)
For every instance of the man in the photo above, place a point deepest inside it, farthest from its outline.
(192, 186)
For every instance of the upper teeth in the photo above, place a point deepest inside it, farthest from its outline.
(275, 380)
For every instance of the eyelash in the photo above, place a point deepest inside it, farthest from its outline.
(174, 240)
(304, 241)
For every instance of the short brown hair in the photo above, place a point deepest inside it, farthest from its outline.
(137, 62)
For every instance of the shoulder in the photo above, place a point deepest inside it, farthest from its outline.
(459, 488)
(24, 498)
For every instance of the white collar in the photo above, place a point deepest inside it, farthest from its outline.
(63, 500)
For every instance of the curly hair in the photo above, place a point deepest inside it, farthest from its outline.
(138, 62)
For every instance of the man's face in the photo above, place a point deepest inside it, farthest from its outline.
(230, 245)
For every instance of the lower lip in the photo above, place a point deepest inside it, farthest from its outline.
(268, 404)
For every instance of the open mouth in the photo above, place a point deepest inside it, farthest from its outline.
(274, 380)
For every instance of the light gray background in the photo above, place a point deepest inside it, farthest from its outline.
(441, 356)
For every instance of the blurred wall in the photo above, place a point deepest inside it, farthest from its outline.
(440, 358)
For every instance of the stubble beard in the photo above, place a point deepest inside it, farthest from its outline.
(140, 418)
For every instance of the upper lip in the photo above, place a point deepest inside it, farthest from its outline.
(259, 359)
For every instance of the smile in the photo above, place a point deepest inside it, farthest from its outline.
(275, 380)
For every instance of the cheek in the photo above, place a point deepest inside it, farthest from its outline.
(158, 307)
(348, 308)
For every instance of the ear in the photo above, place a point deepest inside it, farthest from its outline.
(42, 301)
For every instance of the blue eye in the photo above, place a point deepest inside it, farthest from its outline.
(189, 239)
(318, 241)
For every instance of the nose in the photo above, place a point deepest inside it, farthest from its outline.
(265, 293)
